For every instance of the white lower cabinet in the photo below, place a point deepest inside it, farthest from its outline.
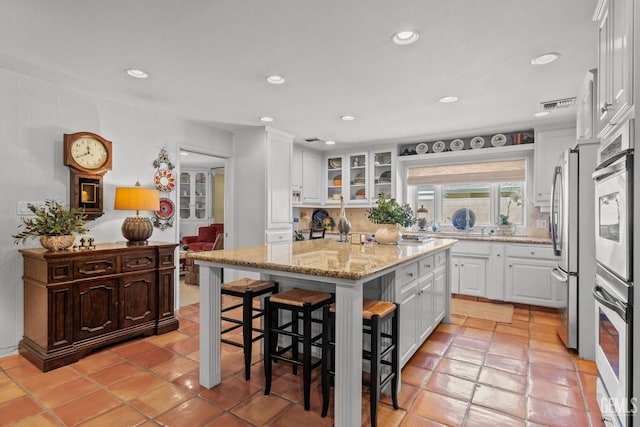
(527, 277)
(471, 273)
(423, 297)
(503, 271)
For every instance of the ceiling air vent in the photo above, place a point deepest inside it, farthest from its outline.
(558, 104)
(313, 139)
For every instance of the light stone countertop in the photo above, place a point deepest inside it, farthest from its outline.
(325, 257)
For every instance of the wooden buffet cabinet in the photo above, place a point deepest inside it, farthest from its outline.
(78, 300)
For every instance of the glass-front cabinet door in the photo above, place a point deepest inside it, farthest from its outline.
(195, 196)
(382, 174)
(358, 178)
(185, 195)
(334, 179)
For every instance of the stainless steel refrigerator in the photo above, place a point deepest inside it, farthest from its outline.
(573, 235)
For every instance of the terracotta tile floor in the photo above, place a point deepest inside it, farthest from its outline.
(470, 372)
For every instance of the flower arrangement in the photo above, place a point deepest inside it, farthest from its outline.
(514, 197)
(389, 211)
(51, 219)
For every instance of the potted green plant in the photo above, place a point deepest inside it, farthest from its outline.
(53, 223)
(389, 211)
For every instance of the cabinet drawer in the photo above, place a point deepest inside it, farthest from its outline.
(530, 251)
(96, 266)
(425, 265)
(469, 248)
(166, 258)
(279, 236)
(407, 273)
(60, 272)
(137, 261)
(440, 259)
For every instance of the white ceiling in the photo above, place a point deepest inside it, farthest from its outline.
(208, 60)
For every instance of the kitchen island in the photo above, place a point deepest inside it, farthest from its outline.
(344, 268)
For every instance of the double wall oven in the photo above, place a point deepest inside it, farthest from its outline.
(613, 288)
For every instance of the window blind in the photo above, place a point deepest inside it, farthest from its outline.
(489, 172)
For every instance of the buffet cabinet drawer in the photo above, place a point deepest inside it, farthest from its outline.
(530, 251)
(138, 261)
(95, 266)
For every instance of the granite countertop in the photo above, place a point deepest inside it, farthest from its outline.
(492, 238)
(476, 236)
(325, 257)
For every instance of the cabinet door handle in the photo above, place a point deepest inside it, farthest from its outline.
(455, 265)
(510, 265)
(498, 255)
(533, 253)
(461, 265)
(410, 274)
(606, 107)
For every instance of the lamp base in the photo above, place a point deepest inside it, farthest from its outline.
(137, 229)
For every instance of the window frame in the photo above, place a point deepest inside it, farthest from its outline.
(412, 193)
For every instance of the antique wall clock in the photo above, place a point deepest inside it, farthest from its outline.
(89, 157)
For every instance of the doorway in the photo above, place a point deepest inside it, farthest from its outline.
(201, 202)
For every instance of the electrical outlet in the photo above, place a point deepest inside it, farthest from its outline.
(22, 208)
(541, 223)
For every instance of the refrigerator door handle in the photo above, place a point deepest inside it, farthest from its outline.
(554, 216)
(559, 276)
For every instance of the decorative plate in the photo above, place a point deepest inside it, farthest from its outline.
(459, 219)
(361, 194)
(359, 179)
(438, 147)
(457, 145)
(383, 159)
(167, 209)
(422, 148)
(335, 163)
(498, 140)
(319, 214)
(337, 180)
(165, 181)
(385, 177)
(477, 142)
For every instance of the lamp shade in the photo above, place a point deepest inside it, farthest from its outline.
(137, 229)
(137, 199)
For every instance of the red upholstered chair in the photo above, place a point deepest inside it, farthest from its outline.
(205, 239)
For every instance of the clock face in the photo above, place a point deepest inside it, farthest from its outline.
(89, 152)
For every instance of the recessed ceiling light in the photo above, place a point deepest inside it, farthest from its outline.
(448, 99)
(347, 117)
(545, 58)
(405, 37)
(266, 119)
(541, 113)
(275, 79)
(330, 142)
(138, 74)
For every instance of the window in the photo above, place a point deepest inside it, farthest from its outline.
(488, 189)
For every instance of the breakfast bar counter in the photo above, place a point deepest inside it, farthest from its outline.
(346, 268)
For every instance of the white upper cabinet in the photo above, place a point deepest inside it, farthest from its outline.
(548, 147)
(586, 117)
(360, 176)
(311, 175)
(615, 38)
(296, 169)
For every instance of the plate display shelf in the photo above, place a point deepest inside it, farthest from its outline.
(476, 143)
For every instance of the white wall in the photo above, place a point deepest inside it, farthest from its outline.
(34, 115)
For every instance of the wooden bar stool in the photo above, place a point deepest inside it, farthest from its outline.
(247, 289)
(374, 315)
(301, 303)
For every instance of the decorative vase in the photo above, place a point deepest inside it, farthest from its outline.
(507, 229)
(389, 234)
(56, 243)
(344, 226)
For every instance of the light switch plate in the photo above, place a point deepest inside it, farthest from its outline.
(541, 223)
